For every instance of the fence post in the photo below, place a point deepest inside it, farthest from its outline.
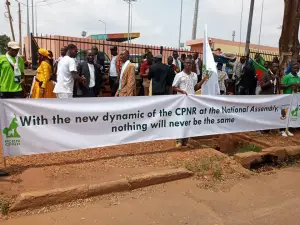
(161, 50)
(34, 50)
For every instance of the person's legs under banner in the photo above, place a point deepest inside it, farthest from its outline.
(3, 172)
(9, 95)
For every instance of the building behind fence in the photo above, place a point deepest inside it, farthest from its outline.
(235, 47)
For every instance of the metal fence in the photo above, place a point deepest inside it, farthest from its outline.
(55, 43)
(268, 56)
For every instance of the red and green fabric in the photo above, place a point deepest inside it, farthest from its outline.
(259, 69)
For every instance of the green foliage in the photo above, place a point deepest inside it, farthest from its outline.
(207, 165)
(3, 43)
(248, 148)
(4, 206)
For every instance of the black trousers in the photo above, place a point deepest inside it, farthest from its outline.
(199, 77)
(113, 85)
(89, 93)
(19, 94)
(240, 90)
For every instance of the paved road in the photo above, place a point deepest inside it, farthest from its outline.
(262, 200)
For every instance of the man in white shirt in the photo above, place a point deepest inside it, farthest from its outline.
(67, 74)
(91, 88)
(186, 82)
(113, 74)
(176, 61)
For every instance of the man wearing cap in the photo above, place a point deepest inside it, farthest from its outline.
(161, 77)
(11, 73)
(113, 71)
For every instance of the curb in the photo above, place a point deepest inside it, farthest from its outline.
(153, 178)
(281, 153)
(37, 199)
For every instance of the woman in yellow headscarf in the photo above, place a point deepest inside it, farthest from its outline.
(43, 85)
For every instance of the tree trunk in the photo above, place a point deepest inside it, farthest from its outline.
(289, 42)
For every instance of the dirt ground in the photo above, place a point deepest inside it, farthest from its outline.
(48, 171)
(261, 200)
(275, 139)
(56, 170)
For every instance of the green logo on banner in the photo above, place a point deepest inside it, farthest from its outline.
(295, 111)
(11, 133)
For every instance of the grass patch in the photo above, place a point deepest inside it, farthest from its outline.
(209, 165)
(4, 206)
(244, 147)
(217, 172)
(200, 166)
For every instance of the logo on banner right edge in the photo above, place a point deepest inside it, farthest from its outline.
(295, 112)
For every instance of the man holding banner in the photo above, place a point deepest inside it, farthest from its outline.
(291, 85)
(186, 82)
(11, 73)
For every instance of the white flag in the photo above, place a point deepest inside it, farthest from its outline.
(210, 87)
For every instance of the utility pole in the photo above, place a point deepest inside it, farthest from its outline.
(10, 20)
(131, 22)
(261, 21)
(20, 29)
(32, 16)
(249, 27)
(104, 25)
(129, 5)
(194, 32)
(28, 30)
(179, 42)
(129, 17)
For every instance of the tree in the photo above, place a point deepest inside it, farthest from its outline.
(289, 41)
(3, 43)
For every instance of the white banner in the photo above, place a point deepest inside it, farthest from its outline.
(294, 115)
(35, 126)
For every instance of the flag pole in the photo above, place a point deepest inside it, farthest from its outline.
(261, 20)
(247, 47)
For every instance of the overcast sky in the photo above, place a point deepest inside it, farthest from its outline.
(156, 20)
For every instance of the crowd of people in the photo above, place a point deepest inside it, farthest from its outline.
(68, 78)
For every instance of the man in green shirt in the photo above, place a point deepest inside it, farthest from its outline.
(11, 73)
(291, 82)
